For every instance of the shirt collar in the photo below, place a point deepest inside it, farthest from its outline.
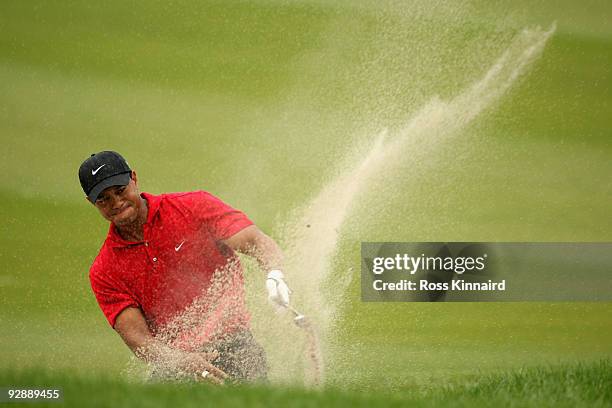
(153, 202)
(114, 239)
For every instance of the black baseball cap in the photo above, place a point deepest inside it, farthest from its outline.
(103, 170)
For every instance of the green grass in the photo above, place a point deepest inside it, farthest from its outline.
(578, 385)
(566, 385)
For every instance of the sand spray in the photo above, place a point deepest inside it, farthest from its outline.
(310, 237)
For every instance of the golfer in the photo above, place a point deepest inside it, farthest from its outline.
(161, 261)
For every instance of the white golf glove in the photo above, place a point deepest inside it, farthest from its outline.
(278, 291)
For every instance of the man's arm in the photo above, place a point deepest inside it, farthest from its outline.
(253, 242)
(132, 327)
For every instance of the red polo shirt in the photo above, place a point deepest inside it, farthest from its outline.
(172, 267)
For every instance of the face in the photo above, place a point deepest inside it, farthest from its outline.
(121, 205)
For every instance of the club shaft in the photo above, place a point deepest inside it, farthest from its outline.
(295, 312)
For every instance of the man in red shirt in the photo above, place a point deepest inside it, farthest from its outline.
(168, 279)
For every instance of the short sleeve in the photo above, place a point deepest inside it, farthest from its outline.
(219, 218)
(111, 298)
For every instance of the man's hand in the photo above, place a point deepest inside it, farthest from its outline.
(132, 327)
(180, 365)
(200, 364)
(278, 291)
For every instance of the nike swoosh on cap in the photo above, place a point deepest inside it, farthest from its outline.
(93, 172)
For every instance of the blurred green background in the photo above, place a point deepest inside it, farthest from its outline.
(257, 102)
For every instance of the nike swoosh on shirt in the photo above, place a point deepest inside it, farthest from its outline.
(93, 172)
(176, 248)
